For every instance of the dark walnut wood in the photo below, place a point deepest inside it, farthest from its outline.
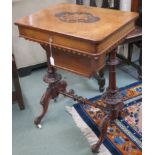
(135, 38)
(135, 5)
(17, 94)
(78, 39)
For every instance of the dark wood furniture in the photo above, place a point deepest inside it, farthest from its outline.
(17, 94)
(99, 76)
(135, 38)
(135, 5)
(77, 39)
(105, 3)
(25, 71)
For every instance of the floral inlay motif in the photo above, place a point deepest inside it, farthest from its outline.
(77, 17)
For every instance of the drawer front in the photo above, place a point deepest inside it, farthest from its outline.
(76, 63)
(57, 39)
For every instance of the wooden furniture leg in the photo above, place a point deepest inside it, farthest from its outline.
(112, 98)
(101, 79)
(51, 93)
(103, 130)
(44, 102)
(55, 85)
(140, 62)
(17, 94)
(130, 48)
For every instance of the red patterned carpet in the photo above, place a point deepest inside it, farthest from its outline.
(124, 136)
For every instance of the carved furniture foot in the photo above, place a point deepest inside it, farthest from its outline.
(51, 93)
(44, 102)
(103, 129)
(112, 99)
(113, 109)
(55, 86)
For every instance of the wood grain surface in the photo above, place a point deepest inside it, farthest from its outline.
(109, 21)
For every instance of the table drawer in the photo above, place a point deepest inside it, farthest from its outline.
(77, 63)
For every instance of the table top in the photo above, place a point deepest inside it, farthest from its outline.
(85, 22)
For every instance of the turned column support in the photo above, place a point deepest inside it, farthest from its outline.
(55, 85)
(112, 99)
(113, 61)
(103, 129)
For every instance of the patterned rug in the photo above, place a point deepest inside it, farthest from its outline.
(124, 136)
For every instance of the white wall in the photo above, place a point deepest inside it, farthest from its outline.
(125, 5)
(28, 53)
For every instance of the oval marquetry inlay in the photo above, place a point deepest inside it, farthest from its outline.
(74, 17)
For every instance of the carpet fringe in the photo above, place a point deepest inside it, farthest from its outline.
(86, 130)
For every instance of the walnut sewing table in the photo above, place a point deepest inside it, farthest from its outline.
(77, 38)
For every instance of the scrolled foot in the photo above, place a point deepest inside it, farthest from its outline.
(37, 123)
(95, 148)
(39, 126)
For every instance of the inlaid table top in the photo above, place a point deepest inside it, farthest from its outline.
(81, 34)
(90, 23)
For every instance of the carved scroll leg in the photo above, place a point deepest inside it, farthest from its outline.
(103, 129)
(51, 93)
(44, 102)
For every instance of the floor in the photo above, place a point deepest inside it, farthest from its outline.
(59, 134)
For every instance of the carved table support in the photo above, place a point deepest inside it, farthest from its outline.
(112, 99)
(103, 130)
(79, 51)
(55, 85)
